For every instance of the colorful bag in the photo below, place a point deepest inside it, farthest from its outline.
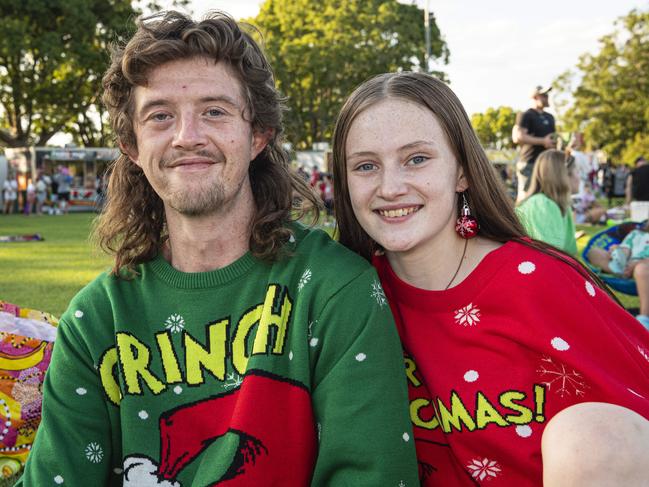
(26, 340)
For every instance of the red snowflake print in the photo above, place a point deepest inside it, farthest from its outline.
(563, 381)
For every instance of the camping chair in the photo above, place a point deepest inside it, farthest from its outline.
(604, 239)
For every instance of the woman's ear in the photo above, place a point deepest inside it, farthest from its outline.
(462, 184)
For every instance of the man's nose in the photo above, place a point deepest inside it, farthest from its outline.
(190, 134)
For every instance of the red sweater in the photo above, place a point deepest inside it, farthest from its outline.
(493, 359)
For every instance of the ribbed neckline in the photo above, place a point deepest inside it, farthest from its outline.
(456, 296)
(200, 280)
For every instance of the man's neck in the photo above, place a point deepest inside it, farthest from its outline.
(210, 242)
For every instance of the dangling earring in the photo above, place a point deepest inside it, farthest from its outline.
(466, 225)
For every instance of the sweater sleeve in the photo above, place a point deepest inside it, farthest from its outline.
(73, 443)
(360, 392)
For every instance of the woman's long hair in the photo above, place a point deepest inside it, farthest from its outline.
(132, 225)
(551, 176)
(486, 194)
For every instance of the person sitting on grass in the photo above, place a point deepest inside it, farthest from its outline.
(629, 259)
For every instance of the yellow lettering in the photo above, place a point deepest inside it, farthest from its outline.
(211, 358)
(244, 328)
(411, 367)
(507, 400)
(415, 416)
(107, 365)
(486, 413)
(270, 319)
(135, 359)
(169, 359)
(456, 417)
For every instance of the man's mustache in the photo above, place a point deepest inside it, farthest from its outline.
(214, 156)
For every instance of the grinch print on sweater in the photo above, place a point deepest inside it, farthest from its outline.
(196, 432)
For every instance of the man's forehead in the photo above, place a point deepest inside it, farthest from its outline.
(194, 78)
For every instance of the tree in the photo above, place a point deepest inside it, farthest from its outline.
(52, 56)
(494, 127)
(611, 100)
(321, 51)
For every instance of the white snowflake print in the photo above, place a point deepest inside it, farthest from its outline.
(401, 484)
(58, 479)
(480, 469)
(78, 314)
(175, 323)
(564, 382)
(378, 294)
(469, 315)
(94, 452)
(306, 277)
(590, 289)
(233, 380)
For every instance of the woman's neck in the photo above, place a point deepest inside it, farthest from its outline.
(442, 265)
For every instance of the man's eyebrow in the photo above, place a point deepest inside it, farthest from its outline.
(161, 102)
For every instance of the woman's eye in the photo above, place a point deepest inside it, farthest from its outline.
(418, 159)
(366, 166)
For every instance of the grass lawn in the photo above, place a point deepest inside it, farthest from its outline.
(46, 275)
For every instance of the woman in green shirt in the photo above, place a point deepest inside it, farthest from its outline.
(546, 212)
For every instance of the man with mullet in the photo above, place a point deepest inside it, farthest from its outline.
(229, 345)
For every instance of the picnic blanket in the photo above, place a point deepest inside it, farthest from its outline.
(26, 340)
(36, 237)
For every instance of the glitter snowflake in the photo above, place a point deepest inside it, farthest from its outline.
(564, 381)
(306, 277)
(483, 468)
(378, 294)
(175, 323)
(94, 452)
(232, 381)
(469, 315)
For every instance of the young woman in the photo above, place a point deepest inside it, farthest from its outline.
(522, 369)
(546, 213)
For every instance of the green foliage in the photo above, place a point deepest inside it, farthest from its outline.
(611, 101)
(321, 51)
(494, 127)
(52, 56)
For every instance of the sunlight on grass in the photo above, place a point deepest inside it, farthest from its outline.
(46, 275)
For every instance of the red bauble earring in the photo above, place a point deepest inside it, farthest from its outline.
(466, 225)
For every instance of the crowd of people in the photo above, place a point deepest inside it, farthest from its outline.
(47, 193)
(231, 344)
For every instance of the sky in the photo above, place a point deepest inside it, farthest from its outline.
(500, 49)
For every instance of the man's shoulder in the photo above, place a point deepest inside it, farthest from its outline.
(315, 248)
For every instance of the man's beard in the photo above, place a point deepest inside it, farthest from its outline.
(199, 203)
(205, 200)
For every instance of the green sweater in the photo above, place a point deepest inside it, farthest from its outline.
(543, 220)
(251, 375)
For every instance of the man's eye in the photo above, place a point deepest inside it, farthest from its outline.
(214, 112)
(159, 117)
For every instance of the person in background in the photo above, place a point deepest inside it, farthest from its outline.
(64, 182)
(9, 194)
(41, 193)
(30, 200)
(587, 209)
(637, 190)
(546, 213)
(629, 259)
(523, 370)
(533, 132)
(230, 345)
